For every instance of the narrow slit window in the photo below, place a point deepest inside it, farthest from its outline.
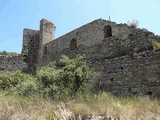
(45, 50)
(73, 44)
(25, 58)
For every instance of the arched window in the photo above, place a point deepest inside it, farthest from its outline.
(45, 50)
(107, 31)
(73, 44)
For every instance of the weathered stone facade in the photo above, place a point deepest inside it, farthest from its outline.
(30, 49)
(123, 55)
(8, 63)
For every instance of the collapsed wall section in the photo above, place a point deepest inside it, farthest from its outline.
(8, 63)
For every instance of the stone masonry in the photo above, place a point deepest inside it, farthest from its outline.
(8, 63)
(122, 54)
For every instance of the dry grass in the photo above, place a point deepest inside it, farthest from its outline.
(31, 108)
(120, 108)
(134, 23)
(143, 109)
(34, 108)
(23, 108)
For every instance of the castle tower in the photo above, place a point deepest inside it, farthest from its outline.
(30, 49)
(47, 34)
(47, 31)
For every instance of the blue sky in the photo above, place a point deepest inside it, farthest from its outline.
(15, 15)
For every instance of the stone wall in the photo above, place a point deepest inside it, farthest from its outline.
(123, 71)
(29, 36)
(98, 47)
(47, 31)
(90, 34)
(47, 34)
(86, 36)
(126, 60)
(30, 48)
(123, 55)
(8, 63)
(127, 75)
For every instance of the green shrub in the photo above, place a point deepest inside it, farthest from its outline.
(69, 79)
(72, 77)
(11, 79)
(29, 87)
(8, 53)
(155, 43)
(48, 77)
(19, 83)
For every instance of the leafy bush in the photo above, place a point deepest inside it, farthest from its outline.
(72, 77)
(19, 83)
(155, 43)
(29, 87)
(8, 53)
(69, 79)
(11, 79)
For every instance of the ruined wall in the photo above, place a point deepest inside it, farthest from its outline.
(47, 34)
(30, 48)
(123, 55)
(127, 62)
(28, 59)
(127, 75)
(8, 63)
(91, 41)
(85, 36)
(29, 36)
(91, 34)
(123, 70)
(47, 31)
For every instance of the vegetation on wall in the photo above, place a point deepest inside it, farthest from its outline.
(155, 43)
(133, 23)
(5, 53)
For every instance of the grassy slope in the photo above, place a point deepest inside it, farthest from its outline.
(23, 108)
(20, 107)
(32, 107)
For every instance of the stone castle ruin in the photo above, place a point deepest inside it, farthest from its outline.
(124, 55)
